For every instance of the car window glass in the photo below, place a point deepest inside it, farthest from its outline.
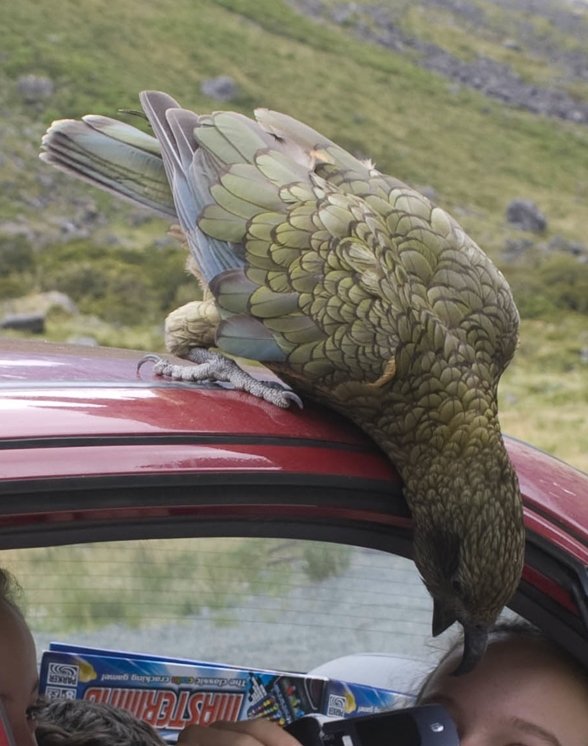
(255, 602)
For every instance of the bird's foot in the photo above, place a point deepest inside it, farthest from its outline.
(212, 366)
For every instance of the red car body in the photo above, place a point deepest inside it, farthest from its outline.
(93, 450)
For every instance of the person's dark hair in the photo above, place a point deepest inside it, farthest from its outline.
(75, 722)
(10, 590)
(522, 630)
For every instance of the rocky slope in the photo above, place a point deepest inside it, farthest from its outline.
(552, 34)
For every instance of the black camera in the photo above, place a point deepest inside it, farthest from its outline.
(426, 725)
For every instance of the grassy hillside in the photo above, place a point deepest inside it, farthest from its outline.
(474, 152)
(541, 42)
(477, 155)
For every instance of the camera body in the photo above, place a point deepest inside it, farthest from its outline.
(425, 725)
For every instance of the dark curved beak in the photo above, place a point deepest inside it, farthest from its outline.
(474, 646)
(442, 619)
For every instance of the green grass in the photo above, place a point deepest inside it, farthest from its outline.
(472, 151)
(148, 582)
(543, 395)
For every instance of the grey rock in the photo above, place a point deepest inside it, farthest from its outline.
(511, 44)
(510, 399)
(56, 299)
(516, 247)
(428, 191)
(526, 216)
(85, 341)
(140, 217)
(90, 215)
(71, 230)
(164, 242)
(36, 305)
(15, 228)
(111, 239)
(558, 243)
(344, 14)
(24, 322)
(221, 88)
(35, 88)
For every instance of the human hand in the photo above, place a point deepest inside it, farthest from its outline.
(241, 733)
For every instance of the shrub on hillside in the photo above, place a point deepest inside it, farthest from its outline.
(558, 282)
(126, 286)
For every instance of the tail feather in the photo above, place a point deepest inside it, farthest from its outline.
(113, 156)
(183, 124)
(118, 130)
(189, 173)
(155, 105)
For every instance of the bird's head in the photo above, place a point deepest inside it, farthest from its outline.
(470, 557)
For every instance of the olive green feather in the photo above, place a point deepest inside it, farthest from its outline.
(358, 291)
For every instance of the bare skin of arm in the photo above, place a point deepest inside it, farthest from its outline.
(242, 733)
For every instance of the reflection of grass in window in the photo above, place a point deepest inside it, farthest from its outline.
(322, 561)
(138, 583)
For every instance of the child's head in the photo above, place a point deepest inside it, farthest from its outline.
(67, 723)
(81, 723)
(19, 681)
(525, 690)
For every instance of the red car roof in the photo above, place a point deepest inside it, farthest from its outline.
(71, 393)
(98, 390)
(92, 397)
(75, 420)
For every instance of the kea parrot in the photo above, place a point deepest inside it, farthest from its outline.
(359, 293)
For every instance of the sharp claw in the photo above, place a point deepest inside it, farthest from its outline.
(149, 358)
(293, 397)
(275, 392)
(280, 397)
(210, 366)
(162, 367)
